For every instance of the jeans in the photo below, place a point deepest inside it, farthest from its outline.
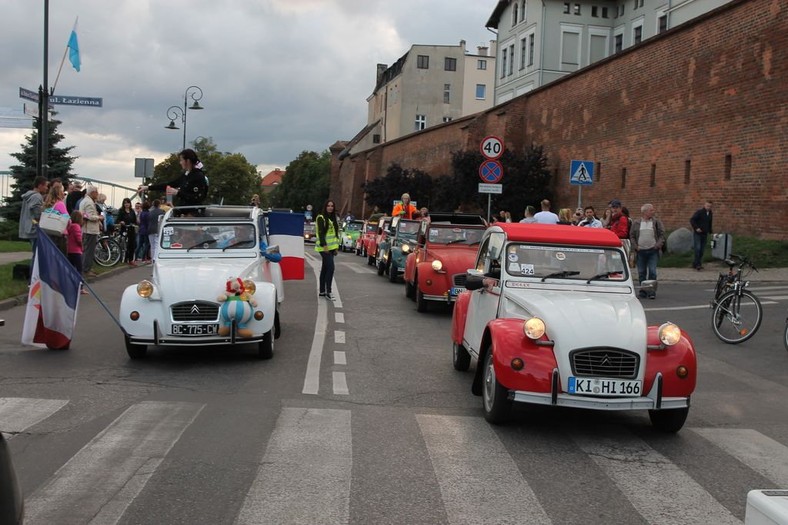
(647, 264)
(326, 272)
(142, 246)
(698, 244)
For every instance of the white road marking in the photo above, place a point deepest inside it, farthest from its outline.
(358, 269)
(759, 452)
(340, 384)
(339, 337)
(312, 377)
(340, 358)
(485, 470)
(658, 489)
(305, 474)
(335, 294)
(699, 307)
(101, 480)
(776, 298)
(339, 317)
(20, 413)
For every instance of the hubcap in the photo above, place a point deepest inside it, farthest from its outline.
(489, 386)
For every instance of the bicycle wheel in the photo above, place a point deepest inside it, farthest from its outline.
(736, 317)
(107, 252)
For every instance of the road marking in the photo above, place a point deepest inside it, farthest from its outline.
(776, 298)
(335, 294)
(339, 337)
(699, 307)
(20, 413)
(312, 377)
(305, 474)
(758, 288)
(358, 269)
(101, 480)
(658, 489)
(759, 452)
(485, 470)
(340, 358)
(339, 317)
(340, 384)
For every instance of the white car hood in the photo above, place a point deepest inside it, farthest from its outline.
(187, 279)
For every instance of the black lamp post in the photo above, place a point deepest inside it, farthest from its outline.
(174, 112)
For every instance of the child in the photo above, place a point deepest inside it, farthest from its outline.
(74, 242)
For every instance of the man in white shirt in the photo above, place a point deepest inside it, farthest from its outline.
(590, 219)
(647, 236)
(546, 216)
(91, 230)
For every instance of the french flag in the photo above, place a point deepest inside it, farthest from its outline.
(53, 298)
(287, 230)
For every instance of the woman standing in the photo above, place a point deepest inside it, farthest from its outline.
(192, 185)
(143, 242)
(56, 199)
(127, 219)
(327, 245)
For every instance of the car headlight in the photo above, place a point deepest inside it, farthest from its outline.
(533, 328)
(249, 286)
(405, 248)
(437, 265)
(144, 288)
(669, 334)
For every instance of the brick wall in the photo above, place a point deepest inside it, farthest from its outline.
(697, 113)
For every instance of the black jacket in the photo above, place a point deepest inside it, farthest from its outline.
(192, 188)
(701, 219)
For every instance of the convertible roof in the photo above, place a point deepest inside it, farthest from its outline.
(559, 234)
(211, 212)
(456, 218)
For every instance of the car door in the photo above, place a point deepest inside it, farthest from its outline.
(484, 302)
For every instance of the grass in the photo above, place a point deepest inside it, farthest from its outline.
(14, 246)
(764, 254)
(8, 286)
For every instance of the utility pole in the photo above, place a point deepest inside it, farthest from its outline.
(43, 103)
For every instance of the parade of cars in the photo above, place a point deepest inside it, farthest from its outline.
(351, 232)
(401, 242)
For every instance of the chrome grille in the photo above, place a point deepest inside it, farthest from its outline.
(459, 279)
(605, 362)
(195, 311)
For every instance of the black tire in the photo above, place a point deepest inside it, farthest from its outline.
(461, 359)
(736, 316)
(370, 260)
(393, 272)
(670, 420)
(136, 351)
(381, 266)
(265, 349)
(108, 252)
(495, 398)
(410, 290)
(421, 302)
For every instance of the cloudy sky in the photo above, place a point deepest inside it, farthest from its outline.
(278, 76)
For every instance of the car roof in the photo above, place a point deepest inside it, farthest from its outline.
(456, 218)
(212, 213)
(558, 234)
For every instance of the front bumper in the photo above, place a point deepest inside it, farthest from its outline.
(161, 339)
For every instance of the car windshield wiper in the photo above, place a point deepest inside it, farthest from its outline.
(560, 274)
(602, 276)
(206, 241)
(455, 241)
(237, 243)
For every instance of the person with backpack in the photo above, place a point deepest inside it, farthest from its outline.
(192, 185)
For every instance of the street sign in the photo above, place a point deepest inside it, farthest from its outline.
(490, 188)
(69, 100)
(29, 95)
(30, 109)
(492, 147)
(491, 171)
(581, 172)
(143, 168)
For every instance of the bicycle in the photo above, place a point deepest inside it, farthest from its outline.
(110, 249)
(736, 312)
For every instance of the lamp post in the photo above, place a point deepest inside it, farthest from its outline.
(174, 112)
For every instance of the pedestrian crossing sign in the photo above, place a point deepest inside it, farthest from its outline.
(581, 172)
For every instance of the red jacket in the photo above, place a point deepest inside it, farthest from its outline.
(620, 226)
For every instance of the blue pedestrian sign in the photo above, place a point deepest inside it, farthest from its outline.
(491, 171)
(581, 172)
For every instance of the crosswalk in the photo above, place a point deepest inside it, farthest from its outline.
(481, 474)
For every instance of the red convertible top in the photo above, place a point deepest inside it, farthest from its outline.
(559, 233)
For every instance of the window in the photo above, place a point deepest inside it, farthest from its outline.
(446, 93)
(566, 9)
(637, 34)
(531, 49)
(481, 64)
(662, 23)
(423, 62)
(623, 178)
(481, 91)
(523, 9)
(523, 52)
(594, 11)
(570, 47)
(450, 64)
(618, 42)
(599, 44)
(577, 9)
(653, 181)
(687, 171)
(621, 10)
(504, 56)
(728, 166)
(511, 59)
(421, 122)
(446, 119)
(515, 12)
(604, 12)
(376, 138)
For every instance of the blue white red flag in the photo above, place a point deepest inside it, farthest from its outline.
(287, 230)
(53, 298)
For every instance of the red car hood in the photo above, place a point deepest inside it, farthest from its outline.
(456, 258)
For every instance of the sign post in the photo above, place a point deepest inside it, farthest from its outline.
(491, 171)
(581, 173)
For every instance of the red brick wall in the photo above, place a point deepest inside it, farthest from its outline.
(710, 92)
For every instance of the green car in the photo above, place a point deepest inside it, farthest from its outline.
(349, 238)
(403, 241)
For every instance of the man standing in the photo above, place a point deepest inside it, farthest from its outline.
(701, 227)
(32, 205)
(546, 216)
(647, 237)
(529, 215)
(91, 231)
(590, 220)
(75, 193)
(405, 209)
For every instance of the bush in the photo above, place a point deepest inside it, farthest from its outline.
(9, 230)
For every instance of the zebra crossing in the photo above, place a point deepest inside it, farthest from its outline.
(306, 469)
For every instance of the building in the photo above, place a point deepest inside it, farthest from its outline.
(428, 85)
(271, 180)
(539, 42)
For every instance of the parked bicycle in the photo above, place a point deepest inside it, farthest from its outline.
(736, 312)
(110, 248)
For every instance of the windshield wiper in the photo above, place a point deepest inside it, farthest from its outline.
(455, 240)
(560, 274)
(206, 241)
(237, 243)
(601, 276)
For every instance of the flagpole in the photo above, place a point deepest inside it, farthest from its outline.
(65, 52)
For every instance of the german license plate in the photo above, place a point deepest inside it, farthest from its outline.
(604, 387)
(457, 290)
(195, 329)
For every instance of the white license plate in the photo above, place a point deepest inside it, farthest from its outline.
(457, 290)
(604, 387)
(195, 329)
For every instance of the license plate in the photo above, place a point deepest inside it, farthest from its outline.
(195, 329)
(604, 387)
(457, 290)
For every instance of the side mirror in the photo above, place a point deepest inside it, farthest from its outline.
(11, 502)
(474, 280)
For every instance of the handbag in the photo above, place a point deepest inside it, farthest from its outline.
(53, 222)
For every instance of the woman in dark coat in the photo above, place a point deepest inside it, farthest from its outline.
(127, 219)
(192, 185)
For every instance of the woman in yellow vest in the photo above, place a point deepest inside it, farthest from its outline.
(327, 245)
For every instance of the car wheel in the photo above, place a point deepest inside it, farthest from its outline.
(136, 351)
(668, 420)
(265, 349)
(370, 260)
(495, 398)
(410, 290)
(393, 272)
(460, 358)
(421, 301)
(381, 266)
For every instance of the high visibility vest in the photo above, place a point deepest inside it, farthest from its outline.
(332, 241)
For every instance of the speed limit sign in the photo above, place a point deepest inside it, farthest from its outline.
(492, 147)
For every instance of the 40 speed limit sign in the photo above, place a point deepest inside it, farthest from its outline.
(492, 147)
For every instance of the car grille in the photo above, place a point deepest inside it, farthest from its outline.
(605, 362)
(195, 311)
(459, 279)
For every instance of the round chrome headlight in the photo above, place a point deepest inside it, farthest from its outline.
(533, 328)
(144, 288)
(249, 286)
(669, 334)
(437, 265)
(405, 248)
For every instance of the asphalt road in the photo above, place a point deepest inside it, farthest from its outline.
(360, 418)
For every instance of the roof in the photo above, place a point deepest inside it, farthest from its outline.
(272, 178)
(495, 17)
(558, 234)
(456, 218)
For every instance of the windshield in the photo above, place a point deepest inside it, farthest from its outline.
(353, 226)
(455, 235)
(408, 229)
(565, 262)
(214, 236)
(371, 228)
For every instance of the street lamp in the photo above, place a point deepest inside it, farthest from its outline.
(174, 112)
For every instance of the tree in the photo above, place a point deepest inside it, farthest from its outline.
(305, 181)
(382, 192)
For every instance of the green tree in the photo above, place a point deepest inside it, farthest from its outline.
(305, 181)
(382, 192)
